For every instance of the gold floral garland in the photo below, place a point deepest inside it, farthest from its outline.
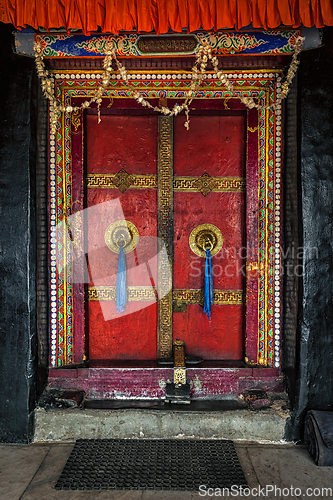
(204, 54)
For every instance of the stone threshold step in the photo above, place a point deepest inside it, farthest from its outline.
(67, 425)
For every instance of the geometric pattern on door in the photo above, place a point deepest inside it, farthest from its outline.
(263, 195)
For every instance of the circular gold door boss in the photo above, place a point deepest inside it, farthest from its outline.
(121, 233)
(206, 237)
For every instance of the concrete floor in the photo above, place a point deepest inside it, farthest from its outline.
(29, 472)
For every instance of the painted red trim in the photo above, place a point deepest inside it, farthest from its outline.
(251, 333)
(252, 285)
(77, 150)
(149, 383)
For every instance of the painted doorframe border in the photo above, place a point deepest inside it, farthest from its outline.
(263, 289)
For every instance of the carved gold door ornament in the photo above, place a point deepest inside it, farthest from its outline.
(206, 237)
(121, 233)
(205, 241)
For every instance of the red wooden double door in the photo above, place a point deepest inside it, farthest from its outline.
(123, 168)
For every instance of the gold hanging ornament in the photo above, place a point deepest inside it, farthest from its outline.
(204, 54)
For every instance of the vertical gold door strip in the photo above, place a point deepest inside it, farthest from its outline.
(165, 233)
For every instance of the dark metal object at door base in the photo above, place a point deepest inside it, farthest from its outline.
(193, 360)
(177, 393)
(165, 362)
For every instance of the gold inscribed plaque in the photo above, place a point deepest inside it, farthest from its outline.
(167, 44)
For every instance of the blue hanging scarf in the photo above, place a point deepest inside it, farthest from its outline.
(208, 289)
(121, 282)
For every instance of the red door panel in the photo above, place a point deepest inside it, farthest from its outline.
(129, 143)
(218, 339)
(215, 145)
(119, 141)
(129, 337)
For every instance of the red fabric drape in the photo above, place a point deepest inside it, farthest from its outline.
(162, 15)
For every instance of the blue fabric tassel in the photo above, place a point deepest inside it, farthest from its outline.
(208, 290)
(121, 282)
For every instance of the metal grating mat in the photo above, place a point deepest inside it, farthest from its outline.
(146, 464)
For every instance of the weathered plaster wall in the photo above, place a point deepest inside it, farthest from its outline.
(313, 387)
(18, 341)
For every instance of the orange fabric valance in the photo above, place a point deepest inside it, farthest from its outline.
(162, 15)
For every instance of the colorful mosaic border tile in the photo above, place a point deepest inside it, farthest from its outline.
(260, 84)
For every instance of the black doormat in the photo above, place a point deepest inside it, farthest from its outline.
(151, 464)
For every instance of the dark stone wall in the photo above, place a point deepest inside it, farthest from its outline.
(42, 275)
(18, 343)
(291, 239)
(312, 386)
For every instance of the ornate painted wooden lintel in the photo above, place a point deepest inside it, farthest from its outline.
(247, 42)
